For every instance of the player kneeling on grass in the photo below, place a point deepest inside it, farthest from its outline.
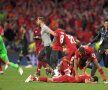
(64, 79)
(4, 57)
(86, 54)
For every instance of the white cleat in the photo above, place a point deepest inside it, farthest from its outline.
(6, 67)
(29, 79)
(29, 66)
(106, 82)
(56, 73)
(1, 72)
(20, 71)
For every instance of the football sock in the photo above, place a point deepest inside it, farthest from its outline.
(45, 66)
(39, 66)
(37, 71)
(102, 74)
(1, 64)
(14, 65)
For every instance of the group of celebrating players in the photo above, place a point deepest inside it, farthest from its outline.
(73, 56)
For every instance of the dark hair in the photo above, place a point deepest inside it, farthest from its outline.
(95, 78)
(61, 25)
(106, 20)
(41, 18)
(81, 50)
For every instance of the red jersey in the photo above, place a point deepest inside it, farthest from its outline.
(70, 43)
(36, 32)
(58, 40)
(89, 53)
(82, 78)
(38, 41)
(72, 79)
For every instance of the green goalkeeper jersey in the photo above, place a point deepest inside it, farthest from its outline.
(3, 51)
(2, 46)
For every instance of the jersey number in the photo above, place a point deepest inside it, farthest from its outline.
(61, 39)
(71, 39)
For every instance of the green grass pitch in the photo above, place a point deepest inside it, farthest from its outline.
(11, 80)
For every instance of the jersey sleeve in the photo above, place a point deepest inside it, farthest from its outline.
(92, 54)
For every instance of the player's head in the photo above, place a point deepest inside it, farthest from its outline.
(95, 79)
(106, 20)
(40, 20)
(62, 25)
(81, 50)
(106, 23)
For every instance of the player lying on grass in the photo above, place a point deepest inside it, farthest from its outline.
(64, 79)
(86, 54)
(4, 57)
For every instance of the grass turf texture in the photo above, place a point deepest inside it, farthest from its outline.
(11, 80)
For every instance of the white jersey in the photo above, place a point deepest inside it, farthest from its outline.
(45, 35)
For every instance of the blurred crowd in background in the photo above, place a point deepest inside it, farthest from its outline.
(81, 18)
